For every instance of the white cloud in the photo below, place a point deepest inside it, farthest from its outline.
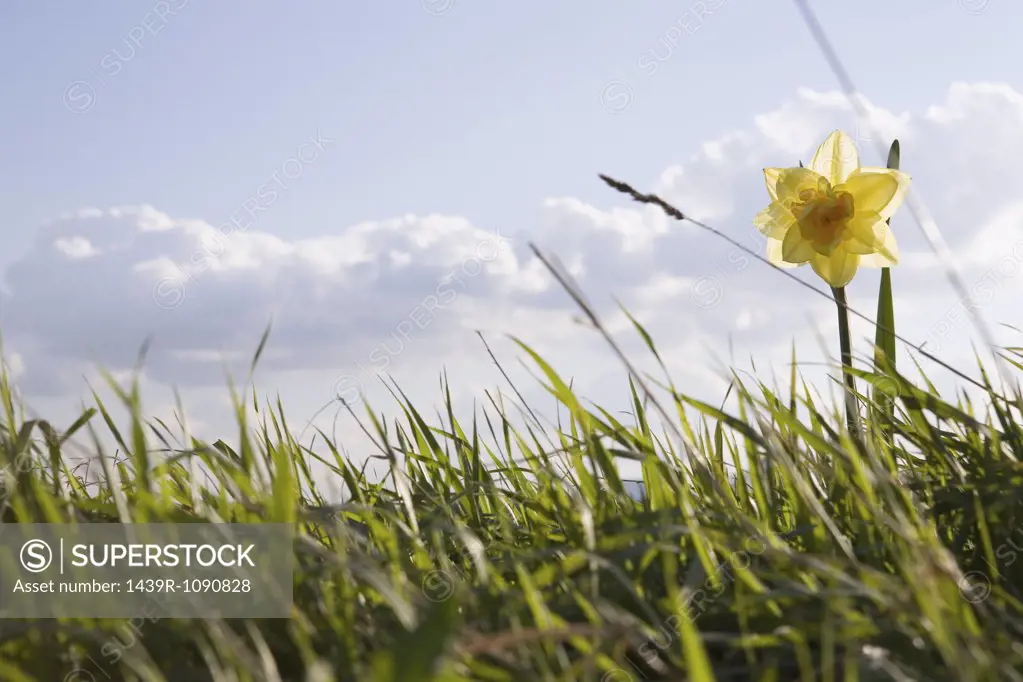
(75, 247)
(98, 282)
(14, 365)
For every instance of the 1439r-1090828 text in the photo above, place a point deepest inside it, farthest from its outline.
(192, 585)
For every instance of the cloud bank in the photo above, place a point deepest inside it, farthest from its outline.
(97, 283)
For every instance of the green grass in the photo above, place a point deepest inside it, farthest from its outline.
(771, 545)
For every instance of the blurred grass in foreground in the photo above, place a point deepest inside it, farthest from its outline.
(770, 544)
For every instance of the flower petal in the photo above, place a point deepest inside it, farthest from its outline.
(858, 247)
(888, 255)
(774, 254)
(836, 158)
(871, 191)
(877, 189)
(796, 249)
(838, 269)
(895, 201)
(771, 178)
(793, 181)
(774, 221)
(862, 235)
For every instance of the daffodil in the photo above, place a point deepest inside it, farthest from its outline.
(832, 215)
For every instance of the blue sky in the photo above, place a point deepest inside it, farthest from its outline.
(489, 116)
(478, 111)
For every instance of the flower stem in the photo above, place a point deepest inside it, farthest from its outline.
(845, 342)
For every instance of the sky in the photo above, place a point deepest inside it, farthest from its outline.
(370, 176)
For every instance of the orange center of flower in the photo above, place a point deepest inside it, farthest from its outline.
(822, 215)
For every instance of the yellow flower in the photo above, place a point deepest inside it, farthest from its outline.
(833, 214)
